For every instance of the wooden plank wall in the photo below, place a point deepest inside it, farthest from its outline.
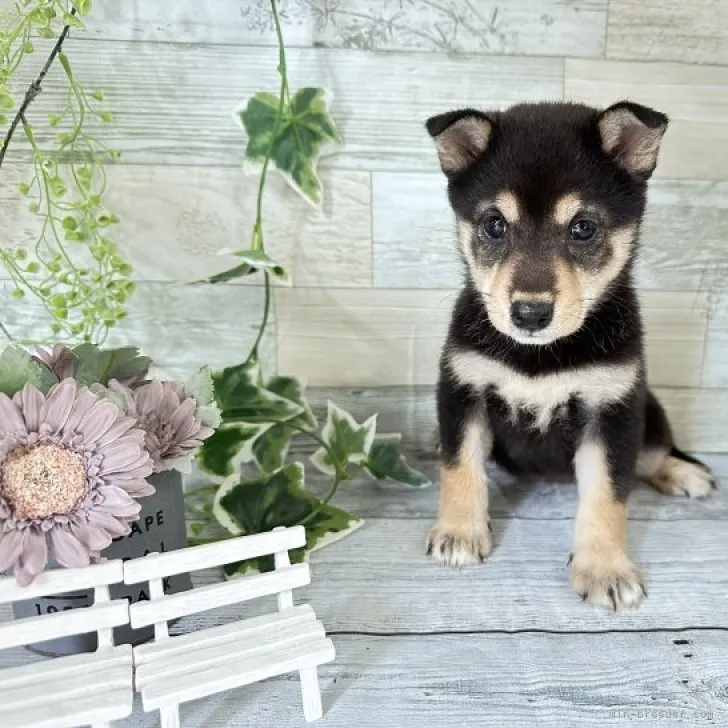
(376, 272)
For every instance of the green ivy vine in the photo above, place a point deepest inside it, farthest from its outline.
(254, 486)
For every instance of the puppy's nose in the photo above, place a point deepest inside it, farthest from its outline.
(532, 315)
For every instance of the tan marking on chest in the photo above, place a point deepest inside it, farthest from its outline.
(595, 385)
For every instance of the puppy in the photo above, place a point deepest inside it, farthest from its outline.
(543, 369)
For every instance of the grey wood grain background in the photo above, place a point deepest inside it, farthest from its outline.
(174, 74)
(375, 271)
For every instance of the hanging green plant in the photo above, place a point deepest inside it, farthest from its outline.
(253, 487)
(74, 267)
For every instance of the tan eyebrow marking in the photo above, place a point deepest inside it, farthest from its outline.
(507, 203)
(566, 207)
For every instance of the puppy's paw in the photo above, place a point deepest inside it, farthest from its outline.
(615, 583)
(460, 545)
(679, 477)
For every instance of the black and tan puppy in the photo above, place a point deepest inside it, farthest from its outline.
(543, 369)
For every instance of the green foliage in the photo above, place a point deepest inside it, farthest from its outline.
(242, 397)
(260, 419)
(254, 486)
(253, 262)
(386, 462)
(18, 368)
(304, 129)
(100, 366)
(74, 268)
(345, 440)
(246, 506)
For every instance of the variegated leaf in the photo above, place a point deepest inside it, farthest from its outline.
(278, 499)
(385, 461)
(348, 441)
(305, 131)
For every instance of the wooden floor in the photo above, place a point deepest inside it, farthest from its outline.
(507, 643)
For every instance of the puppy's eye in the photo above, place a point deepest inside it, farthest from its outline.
(583, 230)
(494, 226)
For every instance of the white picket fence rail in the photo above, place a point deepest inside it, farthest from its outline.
(67, 692)
(96, 688)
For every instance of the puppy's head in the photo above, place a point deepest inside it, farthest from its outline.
(548, 199)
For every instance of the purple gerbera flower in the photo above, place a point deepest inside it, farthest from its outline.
(71, 468)
(169, 417)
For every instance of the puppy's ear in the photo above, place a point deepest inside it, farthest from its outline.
(631, 135)
(460, 137)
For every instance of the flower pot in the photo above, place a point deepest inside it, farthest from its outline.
(161, 527)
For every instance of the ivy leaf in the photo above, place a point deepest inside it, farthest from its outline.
(349, 441)
(99, 366)
(239, 271)
(249, 373)
(17, 369)
(222, 454)
(271, 448)
(201, 386)
(293, 390)
(245, 506)
(257, 260)
(385, 461)
(306, 128)
(242, 397)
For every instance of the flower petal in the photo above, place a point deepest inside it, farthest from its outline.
(85, 400)
(67, 549)
(33, 558)
(94, 538)
(184, 414)
(58, 404)
(170, 402)
(119, 428)
(148, 397)
(114, 497)
(98, 420)
(135, 487)
(120, 456)
(31, 403)
(11, 544)
(11, 420)
(108, 523)
(118, 502)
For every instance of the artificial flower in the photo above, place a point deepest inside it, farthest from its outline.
(71, 468)
(60, 360)
(169, 417)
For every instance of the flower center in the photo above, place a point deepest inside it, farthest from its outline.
(43, 480)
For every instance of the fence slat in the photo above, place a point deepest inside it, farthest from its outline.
(219, 595)
(64, 624)
(156, 566)
(59, 581)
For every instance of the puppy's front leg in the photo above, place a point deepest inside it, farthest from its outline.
(601, 570)
(462, 533)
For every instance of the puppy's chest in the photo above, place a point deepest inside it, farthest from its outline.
(537, 402)
(537, 409)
